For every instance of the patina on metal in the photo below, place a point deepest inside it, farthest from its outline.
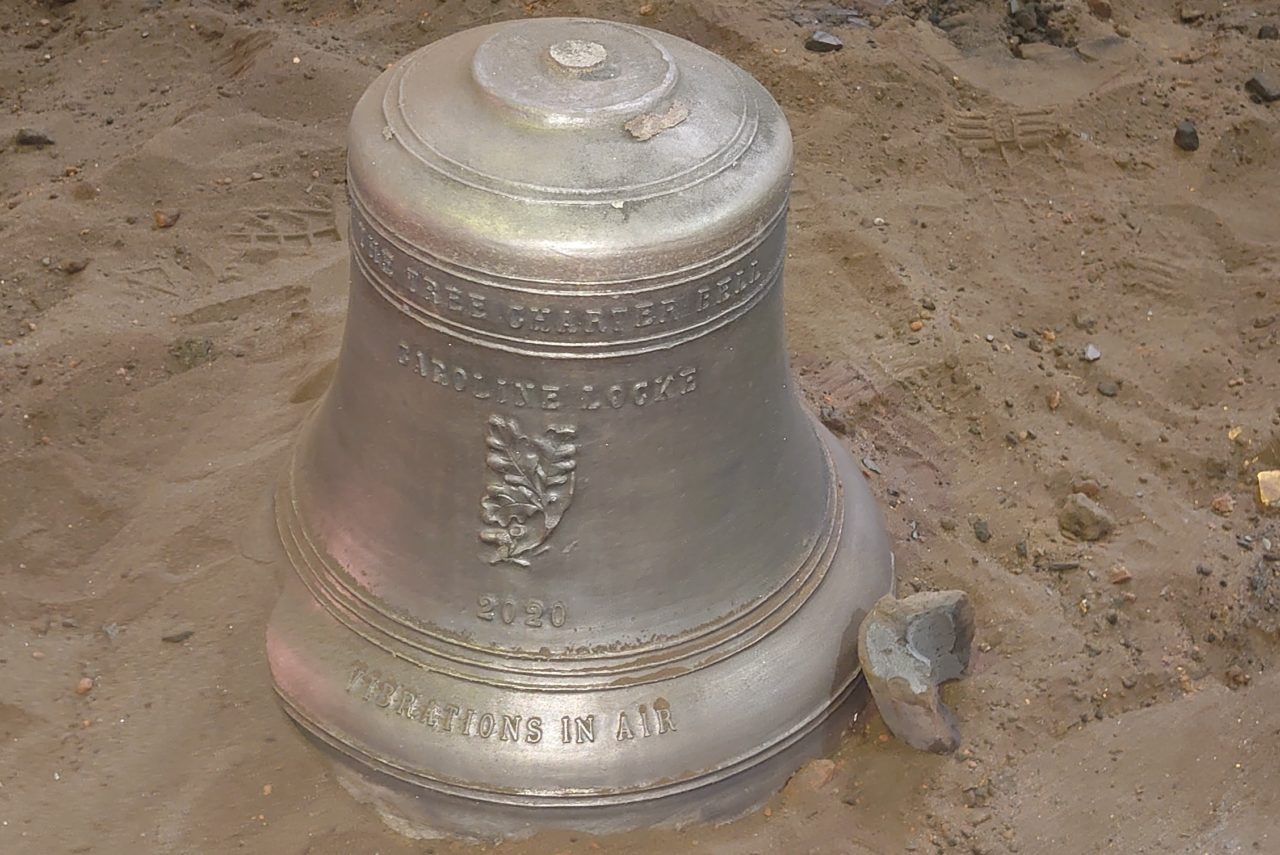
(569, 550)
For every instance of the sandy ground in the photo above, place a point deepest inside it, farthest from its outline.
(1017, 209)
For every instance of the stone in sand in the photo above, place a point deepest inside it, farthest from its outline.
(1264, 87)
(823, 42)
(1085, 519)
(908, 649)
(32, 138)
(1185, 136)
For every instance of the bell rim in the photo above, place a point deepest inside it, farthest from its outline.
(489, 794)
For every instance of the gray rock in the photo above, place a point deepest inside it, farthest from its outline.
(1091, 353)
(908, 649)
(1269, 32)
(1264, 87)
(32, 138)
(823, 42)
(1085, 519)
(1185, 136)
(982, 530)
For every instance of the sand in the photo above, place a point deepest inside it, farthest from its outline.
(965, 222)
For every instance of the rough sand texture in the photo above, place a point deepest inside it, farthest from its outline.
(1017, 209)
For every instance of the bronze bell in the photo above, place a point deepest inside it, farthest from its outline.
(569, 550)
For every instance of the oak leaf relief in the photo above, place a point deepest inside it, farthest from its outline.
(530, 485)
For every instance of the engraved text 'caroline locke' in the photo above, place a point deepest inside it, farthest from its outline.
(626, 725)
(549, 396)
(547, 318)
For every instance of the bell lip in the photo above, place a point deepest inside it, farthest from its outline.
(433, 814)
(432, 648)
(491, 794)
(562, 237)
(866, 569)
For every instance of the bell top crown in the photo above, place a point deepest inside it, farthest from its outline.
(569, 151)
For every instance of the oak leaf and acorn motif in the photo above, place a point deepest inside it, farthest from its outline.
(530, 486)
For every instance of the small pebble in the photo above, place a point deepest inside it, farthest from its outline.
(1084, 519)
(1264, 87)
(1269, 32)
(812, 776)
(1088, 486)
(1091, 353)
(981, 530)
(1185, 136)
(73, 265)
(823, 42)
(256, 176)
(178, 637)
(1108, 388)
(85, 686)
(164, 219)
(1120, 574)
(32, 138)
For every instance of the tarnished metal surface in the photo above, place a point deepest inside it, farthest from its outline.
(569, 550)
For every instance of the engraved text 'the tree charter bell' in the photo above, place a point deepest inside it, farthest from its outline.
(569, 551)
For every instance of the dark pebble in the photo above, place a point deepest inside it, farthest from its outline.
(1108, 388)
(178, 637)
(1063, 566)
(1185, 136)
(1264, 87)
(981, 530)
(823, 42)
(1269, 32)
(33, 138)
